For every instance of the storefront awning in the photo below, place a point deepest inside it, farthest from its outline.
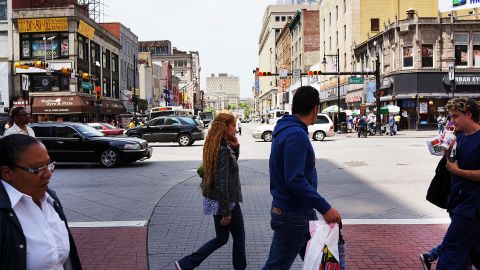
(62, 105)
(112, 107)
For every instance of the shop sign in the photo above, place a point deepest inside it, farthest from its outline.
(56, 102)
(467, 80)
(423, 108)
(353, 98)
(42, 25)
(86, 30)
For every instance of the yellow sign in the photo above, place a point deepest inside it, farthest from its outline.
(43, 25)
(86, 30)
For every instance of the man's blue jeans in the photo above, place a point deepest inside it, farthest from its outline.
(290, 237)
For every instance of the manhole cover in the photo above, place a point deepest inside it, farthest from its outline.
(354, 164)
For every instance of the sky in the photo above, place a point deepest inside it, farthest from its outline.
(224, 32)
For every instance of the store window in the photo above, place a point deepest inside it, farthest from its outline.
(427, 55)
(461, 49)
(34, 46)
(82, 48)
(3, 10)
(407, 56)
(476, 50)
(114, 62)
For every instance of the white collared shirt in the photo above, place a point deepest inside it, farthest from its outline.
(17, 130)
(48, 246)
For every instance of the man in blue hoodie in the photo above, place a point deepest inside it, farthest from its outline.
(293, 182)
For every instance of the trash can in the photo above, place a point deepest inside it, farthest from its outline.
(343, 127)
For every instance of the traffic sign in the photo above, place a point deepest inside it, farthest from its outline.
(25, 82)
(283, 73)
(451, 72)
(86, 85)
(297, 73)
(355, 80)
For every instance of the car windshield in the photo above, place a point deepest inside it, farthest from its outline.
(189, 121)
(89, 131)
(109, 126)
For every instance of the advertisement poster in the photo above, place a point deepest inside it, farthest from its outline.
(38, 49)
(423, 108)
(451, 5)
(370, 91)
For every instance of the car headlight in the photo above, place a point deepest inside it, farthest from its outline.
(134, 146)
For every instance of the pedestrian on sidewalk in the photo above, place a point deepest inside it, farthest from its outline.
(239, 126)
(441, 124)
(20, 120)
(391, 124)
(461, 244)
(34, 232)
(293, 182)
(222, 193)
(362, 127)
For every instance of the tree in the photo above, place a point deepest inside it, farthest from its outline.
(246, 109)
(232, 107)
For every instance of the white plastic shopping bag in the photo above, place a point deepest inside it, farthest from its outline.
(322, 249)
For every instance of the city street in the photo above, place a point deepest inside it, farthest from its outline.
(152, 209)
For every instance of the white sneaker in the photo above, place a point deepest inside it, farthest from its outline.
(177, 265)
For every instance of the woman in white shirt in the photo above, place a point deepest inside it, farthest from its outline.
(34, 233)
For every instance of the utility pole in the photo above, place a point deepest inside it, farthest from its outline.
(377, 91)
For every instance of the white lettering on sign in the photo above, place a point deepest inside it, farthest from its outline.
(50, 102)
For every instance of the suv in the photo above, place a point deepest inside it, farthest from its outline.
(182, 129)
(76, 142)
(322, 128)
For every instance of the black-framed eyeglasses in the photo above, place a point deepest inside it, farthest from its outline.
(39, 170)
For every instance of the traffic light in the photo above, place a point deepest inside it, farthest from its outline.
(263, 73)
(41, 64)
(381, 93)
(98, 92)
(86, 76)
(21, 65)
(66, 71)
(314, 72)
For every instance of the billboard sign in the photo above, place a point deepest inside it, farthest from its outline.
(451, 5)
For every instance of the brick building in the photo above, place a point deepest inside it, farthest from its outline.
(415, 54)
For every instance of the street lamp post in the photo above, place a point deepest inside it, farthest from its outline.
(337, 56)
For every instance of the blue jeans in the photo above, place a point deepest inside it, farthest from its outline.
(290, 237)
(237, 229)
(461, 244)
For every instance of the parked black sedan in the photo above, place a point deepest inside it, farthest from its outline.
(76, 142)
(182, 129)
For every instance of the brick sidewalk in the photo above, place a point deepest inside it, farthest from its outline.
(112, 248)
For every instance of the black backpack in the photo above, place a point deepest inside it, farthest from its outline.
(439, 189)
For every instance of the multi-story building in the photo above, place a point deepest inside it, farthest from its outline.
(284, 60)
(346, 23)
(65, 37)
(216, 101)
(266, 88)
(223, 83)
(5, 54)
(186, 67)
(128, 57)
(415, 54)
(145, 74)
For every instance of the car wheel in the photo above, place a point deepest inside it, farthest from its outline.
(319, 136)
(109, 158)
(184, 140)
(267, 136)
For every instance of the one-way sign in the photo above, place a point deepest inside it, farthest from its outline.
(451, 72)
